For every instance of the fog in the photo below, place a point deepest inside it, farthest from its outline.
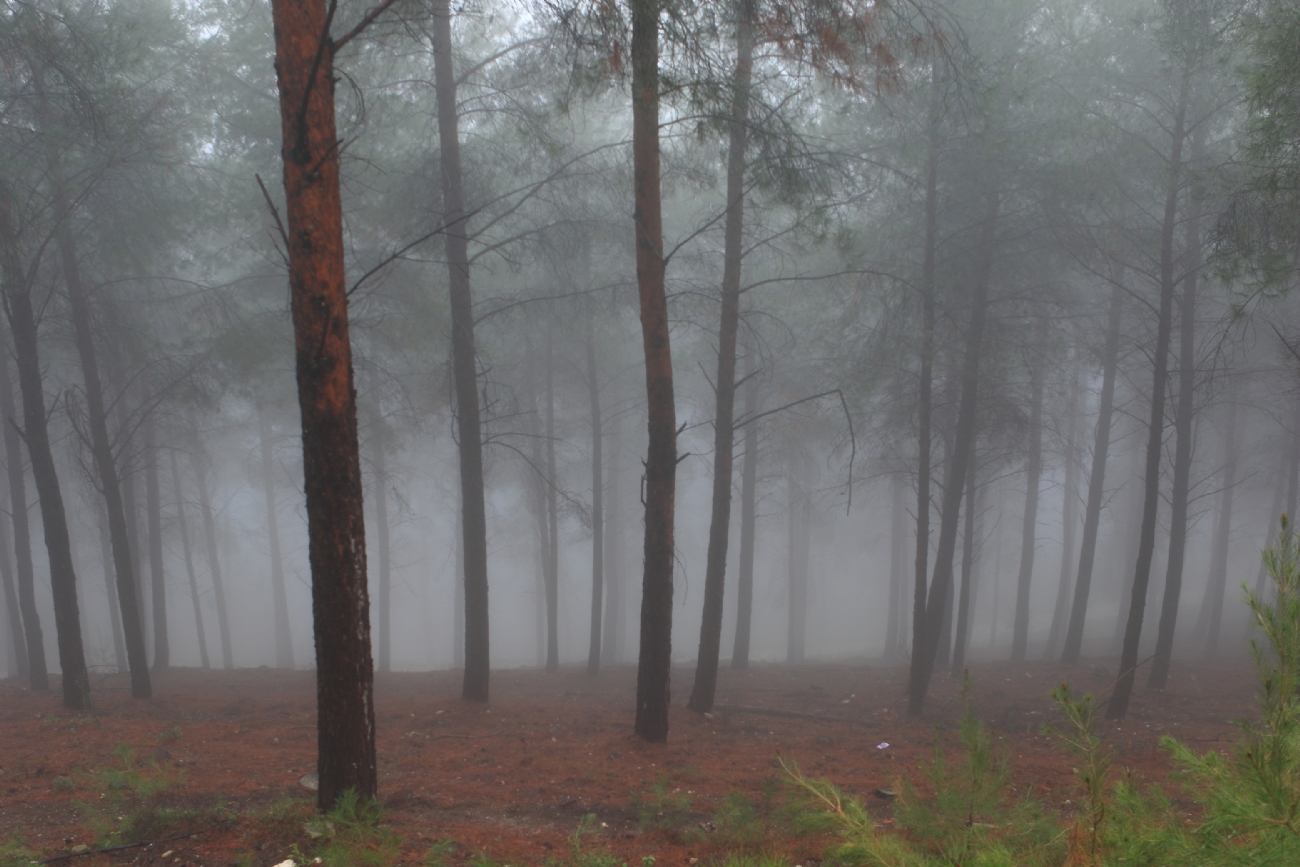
(974, 235)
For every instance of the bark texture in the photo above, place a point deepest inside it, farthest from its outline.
(304, 66)
(655, 657)
(37, 674)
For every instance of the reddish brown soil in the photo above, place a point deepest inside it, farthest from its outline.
(514, 779)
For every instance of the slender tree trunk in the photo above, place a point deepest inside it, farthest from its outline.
(105, 467)
(1184, 418)
(924, 400)
(924, 649)
(748, 518)
(131, 506)
(1069, 516)
(458, 593)
(1131, 543)
(279, 593)
(1155, 433)
(553, 516)
(63, 579)
(537, 479)
(706, 666)
(157, 576)
(1096, 483)
(336, 530)
(464, 364)
(897, 568)
(967, 578)
(184, 527)
(18, 649)
(34, 640)
(210, 541)
(655, 658)
(385, 655)
(1211, 617)
(612, 637)
(1033, 472)
(797, 552)
(597, 511)
(110, 587)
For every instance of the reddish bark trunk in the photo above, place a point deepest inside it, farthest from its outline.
(304, 65)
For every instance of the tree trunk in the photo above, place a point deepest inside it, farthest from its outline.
(1033, 472)
(110, 587)
(17, 649)
(797, 554)
(655, 658)
(552, 516)
(63, 579)
(464, 364)
(1184, 417)
(130, 505)
(597, 510)
(157, 577)
(935, 603)
(1211, 616)
(279, 594)
(1069, 515)
(128, 592)
(748, 516)
(924, 400)
(384, 541)
(542, 523)
(336, 531)
(897, 568)
(967, 578)
(458, 594)
(612, 637)
(184, 527)
(1096, 482)
(210, 540)
(1155, 433)
(36, 672)
(715, 570)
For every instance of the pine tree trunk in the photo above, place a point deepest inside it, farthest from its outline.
(797, 553)
(17, 649)
(1069, 516)
(597, 511)
(552, 516)
(110, 587)
(464, 364)
(1033, 472)
(458, 594)
(612, 637)
(36, 672)
(924, 400)
(1096, 483)
(724, 388)
(63, 579)
(157, 576)
(935, 603)
(279, 593)
(655, 657)
(183, 524)
(748, 518)
(336, 530)
(967, 578)
(384, 584)
(1155, 432)
(1211, 616)
(210, 540)
(897, 568)
(1184, 417)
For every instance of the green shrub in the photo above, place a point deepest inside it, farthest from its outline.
(660, 809)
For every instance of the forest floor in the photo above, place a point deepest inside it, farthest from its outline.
(218, 756)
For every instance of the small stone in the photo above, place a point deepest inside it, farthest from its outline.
(885, 793)
(310, 782)
(79, 849)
